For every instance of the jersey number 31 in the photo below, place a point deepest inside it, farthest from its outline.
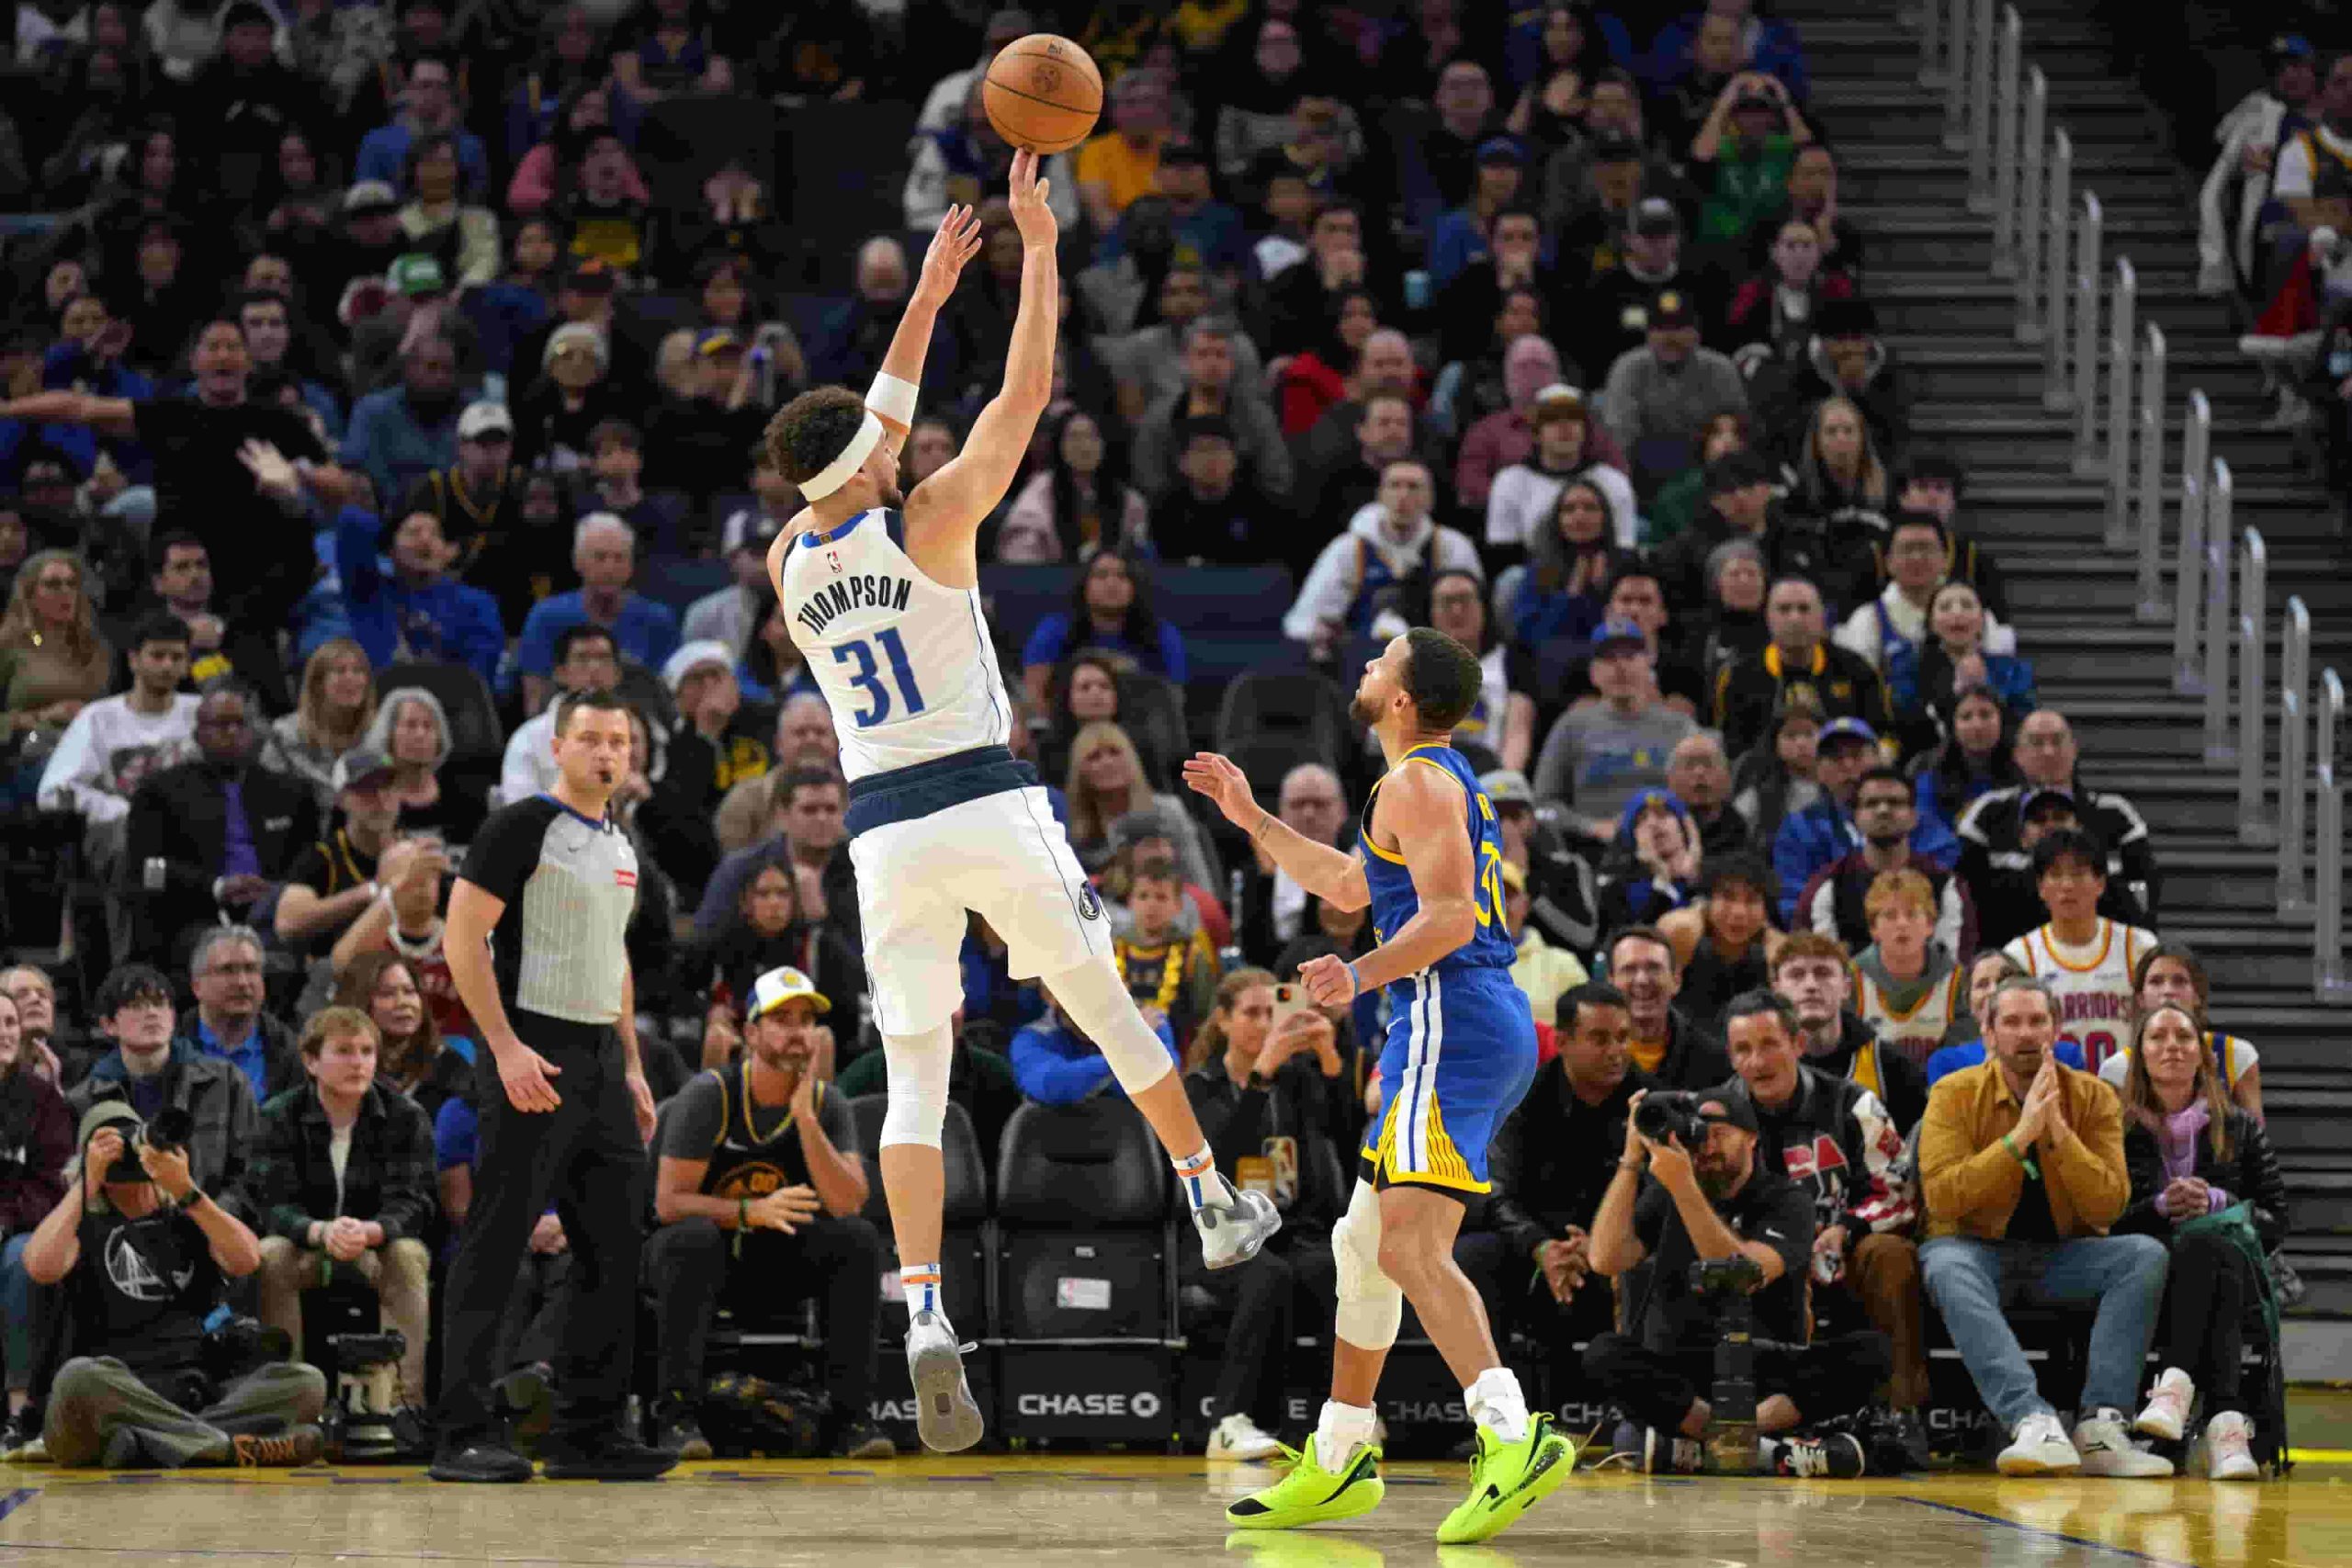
(868, 677)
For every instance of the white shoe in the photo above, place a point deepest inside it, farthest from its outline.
(2228, 1453)
(2040, 1448)
(945, 1413)
(1238, 1438)
(1233, 1231)
(2166, 1415)
(2106, 1447)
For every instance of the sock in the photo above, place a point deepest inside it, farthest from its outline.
(1197, 1173)
(920, 1284)
(1496, 1402)
(1342, 1427)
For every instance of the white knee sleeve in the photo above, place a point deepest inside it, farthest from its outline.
(1371, 1303)
(919, 1064)
(1097, 1001)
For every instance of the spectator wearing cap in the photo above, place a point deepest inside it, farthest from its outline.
(1217, 385)
(1659, 396)
(1369, 581)
(1799, 654)
(2230, 202)
(1598, 755)
(1559, 880)
(695, 444)
(1817, 838)
(732, 615)
(603, 551)
(428, 108)
(416, 308)
(769, 1215)
(1741, 156)
(211, 836)
(720, 733)
(1614, 313)
(462, 235)
(1526, 497)
(1998, 831)
(1211, 511)
(365, 247)
(417, 611)
(1590, 189)
(399, 435)
(478, 501)
(1887, 835)
(1844, 357)
(1497, 178)
(1652, 865)
(1776, 777)
(1936, 485)
(568, 401)
(1508, 436)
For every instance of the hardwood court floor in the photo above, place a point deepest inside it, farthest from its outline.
(1046, 1513)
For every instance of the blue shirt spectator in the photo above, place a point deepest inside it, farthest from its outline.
(1826, 831)
(402, 434)
(430, 105)
(1055, 1064)
(603, 551)
(415, 609)
(1058, 636)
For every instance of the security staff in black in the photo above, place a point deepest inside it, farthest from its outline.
(757, 1195)
(533, 941)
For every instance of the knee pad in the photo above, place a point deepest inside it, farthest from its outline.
(1370, 1304)
(919, 1064)
(1097, 1001)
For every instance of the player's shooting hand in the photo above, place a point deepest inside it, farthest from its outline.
(958, 241)
(1029, 213)
(526, 1074)
(1227, 786)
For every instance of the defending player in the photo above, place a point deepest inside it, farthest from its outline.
(1460, 1055)
(885, 605)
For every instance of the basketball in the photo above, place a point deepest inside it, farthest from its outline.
(1043, 93)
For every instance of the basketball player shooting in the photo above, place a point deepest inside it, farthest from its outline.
(1459, 1057)
(882, 597)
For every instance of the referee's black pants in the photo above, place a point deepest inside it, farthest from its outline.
(586, 1158)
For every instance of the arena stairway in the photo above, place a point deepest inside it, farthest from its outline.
(1977, 395)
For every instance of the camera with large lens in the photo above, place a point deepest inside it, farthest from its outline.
(1670, 1114)
(167, 1131)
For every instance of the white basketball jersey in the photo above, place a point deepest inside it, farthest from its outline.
(1918, 1033)
(905, 662)
(2096, 1002)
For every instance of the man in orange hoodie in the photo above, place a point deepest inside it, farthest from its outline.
(2021, 1167)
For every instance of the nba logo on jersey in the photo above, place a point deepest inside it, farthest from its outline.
(833, 560)
(1089, 908)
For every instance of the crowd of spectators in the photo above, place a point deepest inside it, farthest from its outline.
(378, 371)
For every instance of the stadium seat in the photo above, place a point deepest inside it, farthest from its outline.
(964, 1240)
(1304, 708)
(477, 740)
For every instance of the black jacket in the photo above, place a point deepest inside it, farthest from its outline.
(1554, 1157)
(1695, 1057)
(387, 1178)
(1297, 1103)
(177, 832)
(1998, 868)
(1895, 1078)
(2250, 1174)
(281, 1051)
(1839, 1144)
(1747, 693)
(215, 1095)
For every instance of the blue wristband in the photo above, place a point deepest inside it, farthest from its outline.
(1356, 976)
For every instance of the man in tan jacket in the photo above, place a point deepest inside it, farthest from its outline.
(2021, 1167)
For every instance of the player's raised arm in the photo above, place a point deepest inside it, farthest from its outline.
(956, 242)
(944, 515)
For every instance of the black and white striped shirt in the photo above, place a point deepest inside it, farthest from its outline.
(569, 886)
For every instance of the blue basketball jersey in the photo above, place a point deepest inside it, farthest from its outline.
(1394, 899)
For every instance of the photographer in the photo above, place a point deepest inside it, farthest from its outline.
(761, 1146)
(1701, 1212)
(137, 1395)
(1837, 1143)
(345, 1176)
(149, 1072)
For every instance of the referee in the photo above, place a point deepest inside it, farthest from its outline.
(533, 944)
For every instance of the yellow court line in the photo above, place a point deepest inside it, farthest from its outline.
(2322, 1456)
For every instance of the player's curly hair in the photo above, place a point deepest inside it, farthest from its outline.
(812, 430)
(1442, 677)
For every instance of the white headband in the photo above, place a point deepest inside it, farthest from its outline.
(841, 470)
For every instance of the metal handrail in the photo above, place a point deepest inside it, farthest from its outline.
(2025, 262)
(1956, 78)
(2220, 750)
(2086, 281)
(2295, 735)
(2188, 575)
(2060, 211)
(1980, 110)
(2255, 825)
(2153, 608)
(2002, 136)
(2122, 334)
(2328, 981)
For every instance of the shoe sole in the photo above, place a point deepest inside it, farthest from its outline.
(1553, 1467)
(1239, 1456)
(1249, 1249)
(1352, 1504)
(945, 1417)
(2026, 1465)
(435, 1473)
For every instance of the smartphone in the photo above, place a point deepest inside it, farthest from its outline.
(1289, 999)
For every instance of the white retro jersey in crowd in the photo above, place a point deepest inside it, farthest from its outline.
(2092, 984)
(905, 662)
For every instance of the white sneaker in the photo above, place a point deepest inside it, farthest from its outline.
(945, 1413)
(2107, 1449)
(1238, 1438)
(1233, 1231)
(2228, 1453)
(2040, 1448)
(2166, 1415)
